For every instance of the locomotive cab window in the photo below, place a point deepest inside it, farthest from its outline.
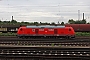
(69, 29)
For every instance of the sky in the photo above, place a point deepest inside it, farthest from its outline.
(44, 10)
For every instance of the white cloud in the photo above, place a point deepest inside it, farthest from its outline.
(44, 10)
(38, 14)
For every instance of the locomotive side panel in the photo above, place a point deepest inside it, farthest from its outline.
(61, 31)
(66, 32)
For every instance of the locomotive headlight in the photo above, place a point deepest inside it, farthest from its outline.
(45, 31)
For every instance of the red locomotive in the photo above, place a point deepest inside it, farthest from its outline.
(46, 31)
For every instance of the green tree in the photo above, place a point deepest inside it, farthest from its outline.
(78, 22)
(62, 23)
(36, 23)
(83, 21)
(13, 21)
(71, 21)
(52, 23)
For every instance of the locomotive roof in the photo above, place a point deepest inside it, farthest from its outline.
(45, 26)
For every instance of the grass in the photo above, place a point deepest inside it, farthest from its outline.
(52, 44)
(82, 33)
(8, 34)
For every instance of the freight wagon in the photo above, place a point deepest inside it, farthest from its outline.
(9, 28)
(46, 31)
(79, 27)
(3, 29)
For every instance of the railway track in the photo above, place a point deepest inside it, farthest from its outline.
(45, 43)
(44, 49)
(40, 53)
(42, 39)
